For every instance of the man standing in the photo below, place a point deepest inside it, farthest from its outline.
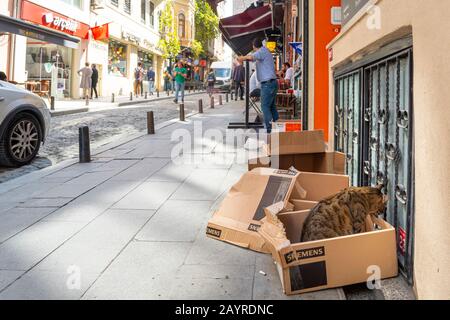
(265, 74)
(180, 74)
(288, 73)
(238, 79)
(86, 80)
(138, 78)
(151, 80)
(94, 82)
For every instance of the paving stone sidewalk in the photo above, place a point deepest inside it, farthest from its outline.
(131, 225)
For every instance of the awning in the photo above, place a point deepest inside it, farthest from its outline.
(239, 30)
(16, 26)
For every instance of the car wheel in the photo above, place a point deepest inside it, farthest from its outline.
(21, 142)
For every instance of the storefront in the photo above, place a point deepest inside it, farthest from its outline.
(117, 58)
(50, 66)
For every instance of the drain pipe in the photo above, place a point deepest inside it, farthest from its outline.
(305, 63)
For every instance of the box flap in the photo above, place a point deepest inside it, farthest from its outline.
(281, 143)
(242, 209)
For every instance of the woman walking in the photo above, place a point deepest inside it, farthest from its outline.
(86, 80)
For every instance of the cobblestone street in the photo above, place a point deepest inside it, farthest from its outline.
(105, 126)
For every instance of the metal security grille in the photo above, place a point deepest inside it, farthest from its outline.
(373, 127)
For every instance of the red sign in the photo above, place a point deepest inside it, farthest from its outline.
(202, 63)
(48, 18)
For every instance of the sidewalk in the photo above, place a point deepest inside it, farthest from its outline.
(65, 107)
(131, 225)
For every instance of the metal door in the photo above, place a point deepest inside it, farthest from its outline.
(373, 126)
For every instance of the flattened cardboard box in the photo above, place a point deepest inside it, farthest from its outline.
(328, 162)
(239, 216)
(329, 263)
(282, 143)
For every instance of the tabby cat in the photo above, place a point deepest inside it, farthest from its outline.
(344, 213)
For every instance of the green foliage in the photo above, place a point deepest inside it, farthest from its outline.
(197, 48)
(169, 43)
(206, 23)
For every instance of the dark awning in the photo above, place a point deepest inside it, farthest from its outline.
(17, 26)
(239, 30)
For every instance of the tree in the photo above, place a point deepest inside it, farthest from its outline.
(206, 23)
(169, 43)
(197, 48)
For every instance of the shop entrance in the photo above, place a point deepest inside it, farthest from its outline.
(374, 128)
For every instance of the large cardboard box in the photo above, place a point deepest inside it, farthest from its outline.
(327, 162)
(294, 142)
(239, 216)
(329, 263)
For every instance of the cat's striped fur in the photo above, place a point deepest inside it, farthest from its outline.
(344, 213)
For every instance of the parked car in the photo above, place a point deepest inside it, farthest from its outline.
(24, 125)
(222, 70)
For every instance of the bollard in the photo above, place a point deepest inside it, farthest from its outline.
(84, 144)
(200, 106)
(131, 96)
(232, 96)
(157, 93)
(226, 98)
(168, 93)
(181, 111)
(52, 103)
(87, 100)
(146, 95)
(220, 100)
(212, 102)
(150, 123)
(113, 98)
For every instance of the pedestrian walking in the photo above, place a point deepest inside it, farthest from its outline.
(138, 79)
(180, 75)
(211, 79)
(239, 79)
(86, 80)
(167, 80)
(151, 80)
(265, 74)
(94, 79)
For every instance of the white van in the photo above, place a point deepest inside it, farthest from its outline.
(222, 71)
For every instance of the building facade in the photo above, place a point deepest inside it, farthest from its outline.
(130, 33)
(388, 98)
(184, 14)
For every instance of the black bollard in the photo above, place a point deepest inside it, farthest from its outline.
(52, 103)
(146, 95)
(212, 102)
(87, 101)
(113, 98)
(84, 144)
(131, 96)
(232, 95)
(200, 106)
(150, 123)
(168, 93)
(157, 93)
(182, 118)
(226, 98)
(220, 100)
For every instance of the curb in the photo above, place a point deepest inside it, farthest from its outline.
(115, 105)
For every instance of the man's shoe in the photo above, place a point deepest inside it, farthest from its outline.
(175, 101)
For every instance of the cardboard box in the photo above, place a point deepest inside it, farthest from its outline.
(239, 216)
(287, 126)
(328, 162)
(282, 143)
(330, 263)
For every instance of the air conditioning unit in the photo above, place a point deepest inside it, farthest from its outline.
(97, 4)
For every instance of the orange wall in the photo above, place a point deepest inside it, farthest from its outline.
(324, 32)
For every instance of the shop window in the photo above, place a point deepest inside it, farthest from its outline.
(143, 11)
(181, 26)
(117, 59)
(373, 127)
(127, 6)
(115, 3)
(146, 59)
(49, 68)
(152, 14)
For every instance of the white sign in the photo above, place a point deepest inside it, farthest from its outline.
(61, 23)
